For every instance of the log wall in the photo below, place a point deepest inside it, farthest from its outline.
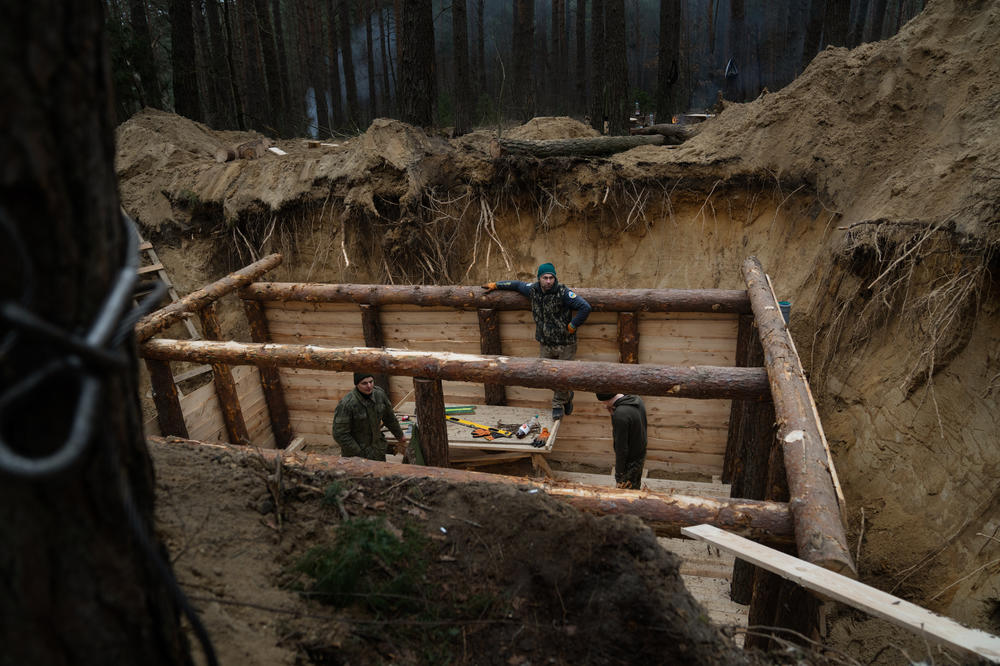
(684, 434)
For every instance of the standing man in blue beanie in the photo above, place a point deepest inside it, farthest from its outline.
(558, 312)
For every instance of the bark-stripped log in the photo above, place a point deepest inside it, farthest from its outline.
(489, 345)
(429, 398)
(767, 522)
(584, 147)
(819, 532)
(699, 382)
(674, 134)
(731, 301)
(169, 416)
(225, 386)
(157, 321)
(270, 378)
(372, 329)
(628, 337)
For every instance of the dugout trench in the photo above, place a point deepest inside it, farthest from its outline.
(722, 381)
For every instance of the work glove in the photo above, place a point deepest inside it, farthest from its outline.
(570, 327)
(490, 286)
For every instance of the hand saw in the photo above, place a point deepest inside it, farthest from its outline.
(497, 432)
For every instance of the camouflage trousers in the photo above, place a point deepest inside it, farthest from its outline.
(562, 353)
(631, 476)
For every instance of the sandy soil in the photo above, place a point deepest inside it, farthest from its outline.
(869, 188)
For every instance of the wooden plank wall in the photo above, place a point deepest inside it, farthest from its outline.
(685, 435)
(203, 415)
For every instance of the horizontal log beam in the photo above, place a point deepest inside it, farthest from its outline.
(732, 301)
(767, 522)
(700, 382)
(162, 319)
(819, 531)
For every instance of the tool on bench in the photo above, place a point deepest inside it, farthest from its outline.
(495, 432)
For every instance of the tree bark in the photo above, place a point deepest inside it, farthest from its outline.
(288, 125)
(698, 382)
(581, 54)
(79, 586)
(819, 529)
(522, 53)
(387, 96)
(220, 83)
(462, 92)
(668, 60)
(332, 68)
(255, 91)
(370, 55)
(241, 118)
(182, 58)
(429, 398)
(417, 71)
(347, 55)
(598, 48)
(767, 522)
(729, 301)
(674, 134)
(586, 146)
(273, 75)
(142, 56)
(490, 345)
(737, 52)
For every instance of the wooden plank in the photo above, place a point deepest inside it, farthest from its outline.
(430, 415)
(628, 337)
(295, 445)
(225, 385)
(854, 593)
(372, 330)
(168, 407)
(193, 372)
(270, 377)
(489, 344)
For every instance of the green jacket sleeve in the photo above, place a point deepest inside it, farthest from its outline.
(389, 419)
(342, 429)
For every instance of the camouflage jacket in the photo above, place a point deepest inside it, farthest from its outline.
(358, 421)
(552, 310)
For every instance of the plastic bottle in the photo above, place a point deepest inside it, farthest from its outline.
(524, 429)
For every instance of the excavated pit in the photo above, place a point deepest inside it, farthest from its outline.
(868, 188)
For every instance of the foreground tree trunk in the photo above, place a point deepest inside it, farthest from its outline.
(78, 588)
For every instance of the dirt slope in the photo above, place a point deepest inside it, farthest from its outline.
(869, 188)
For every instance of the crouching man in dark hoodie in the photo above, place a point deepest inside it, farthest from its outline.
(628, 426)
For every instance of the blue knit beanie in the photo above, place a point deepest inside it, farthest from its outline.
(546, 268)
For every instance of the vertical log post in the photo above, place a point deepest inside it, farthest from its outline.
(430, 419)
(819, 531)
(778, 602)
(168, 404)
(489, 344)
(628, 337)
(372, 329)
(270, 377)
(225, 386)
(751, 439)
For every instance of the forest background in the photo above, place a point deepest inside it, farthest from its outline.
(257, 64)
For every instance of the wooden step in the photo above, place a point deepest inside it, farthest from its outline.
(150, 269)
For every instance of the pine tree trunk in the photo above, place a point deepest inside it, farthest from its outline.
(288, 127)
(336, 101)
(523, 46)
(814, 31)
(417, 72)
(878, 19)
(581, 54)
(310, 19)
(182, 58)
(347, 54)
(835, 24)
(617, 68)
(145, 62)
(255, 92)
(462, 94)
(558, 84)
(387, 104)
(668, 59)
(370, 53)
(78, 588)
(737, 52)
(275, 107)
(598, 48)
(238, 110)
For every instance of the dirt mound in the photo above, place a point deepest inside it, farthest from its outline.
(552, 127)
(538, 582)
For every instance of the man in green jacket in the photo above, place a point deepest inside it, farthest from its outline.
(359, 417)
(628, 426)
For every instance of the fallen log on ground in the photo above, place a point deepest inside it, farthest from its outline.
(767, 522)
(674, 134)
(581, 147)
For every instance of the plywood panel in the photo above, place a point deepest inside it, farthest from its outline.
(677, 465)
(303, 306)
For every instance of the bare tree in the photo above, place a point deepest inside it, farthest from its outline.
(84, 580)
